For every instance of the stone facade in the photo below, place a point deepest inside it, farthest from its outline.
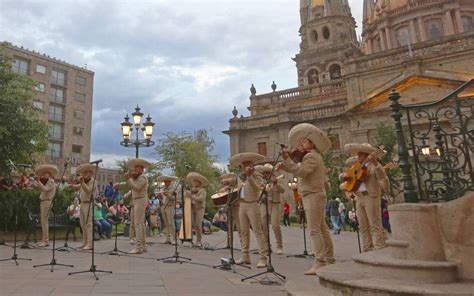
(64, 94)
(104, 175)
(343, 87)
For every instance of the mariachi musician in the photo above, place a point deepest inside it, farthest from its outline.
(273, 191)
(311, 184)
(167, 210)
(233, 211)
(45, 182)
(86, 194)
(198, 199)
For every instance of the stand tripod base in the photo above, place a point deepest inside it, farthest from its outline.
(66, 248)
(266, 280)
(53, 263)
(93, 270)
(229, 264)
(115, 252)
(15, 258)
(26, 245)
(174, 259)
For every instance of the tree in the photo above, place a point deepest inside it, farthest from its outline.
(22, 132)
(183, 153)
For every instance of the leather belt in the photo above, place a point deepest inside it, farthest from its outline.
(363, 193)
(45, 200)
(139, 197)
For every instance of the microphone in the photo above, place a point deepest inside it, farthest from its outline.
(24, 165)
(281, 145)
(96, 161)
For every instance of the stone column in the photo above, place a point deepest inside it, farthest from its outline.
(412, 32)
(388, 36)
(448, 20)
(457, 14)
(421, 28)
(370, 45)
(383, 41)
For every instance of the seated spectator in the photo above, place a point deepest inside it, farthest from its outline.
(206, 224)
(220, 220)
(104, 227)
(178, 215)
(352, 220)
(74, 212)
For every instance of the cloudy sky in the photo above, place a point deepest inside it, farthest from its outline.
(187, 63)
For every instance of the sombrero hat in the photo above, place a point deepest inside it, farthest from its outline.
(240, 158)
(313, 133)
(193, 176)
(85, 167)
(166, 178)
(137, 161)
(52, 169)
(351, 161)
(227, 176)
(354, 148)
(267, 168)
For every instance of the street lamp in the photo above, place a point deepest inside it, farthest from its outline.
(127, 128)
(293, 184)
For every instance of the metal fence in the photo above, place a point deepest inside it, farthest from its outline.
(438, 140)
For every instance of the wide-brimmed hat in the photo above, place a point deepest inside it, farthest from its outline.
(227, 176)
(131, 163)
(166, 178)
(193, 176)
(338, 199)
(351, 161)
(52, 169)
(354, 148)
(266, 168)
(85, 167)
(305, 130)
(240, 158)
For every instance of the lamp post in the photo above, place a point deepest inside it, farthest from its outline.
(147, 129)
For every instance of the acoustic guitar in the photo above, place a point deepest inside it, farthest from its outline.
(358, 171)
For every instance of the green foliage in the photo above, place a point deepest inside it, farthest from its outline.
(27, 202)
(176, 151)
(22, 133)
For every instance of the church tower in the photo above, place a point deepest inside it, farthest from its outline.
(328, 39)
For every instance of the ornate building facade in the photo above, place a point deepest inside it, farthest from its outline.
(424, 49)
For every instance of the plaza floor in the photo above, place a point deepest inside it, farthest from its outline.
(144, 275)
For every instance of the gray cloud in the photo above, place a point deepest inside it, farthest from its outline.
(187, 63)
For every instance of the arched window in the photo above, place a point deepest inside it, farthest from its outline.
(335, 71)
(326, 33)
(403, 36)
(314, 36)
(434, 28)
(313, 76)
(467, 23)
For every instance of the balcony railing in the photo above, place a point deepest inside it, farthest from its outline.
(56, 117)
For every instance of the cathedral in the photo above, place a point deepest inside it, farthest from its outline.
(424, 49)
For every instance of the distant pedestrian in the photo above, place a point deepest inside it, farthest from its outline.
(286, 214)
(334, 211)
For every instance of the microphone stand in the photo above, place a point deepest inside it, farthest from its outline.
(270, 268)
(176, 258)
(305, 252)
(115, 251)
(53, 260)
(230, 237)
(357, 222)
(15, 255)
(93, 268)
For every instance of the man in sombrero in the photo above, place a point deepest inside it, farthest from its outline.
(137, 182)
(167, 209)
(233, 211)
(273, 192)
(45, 182)
(86, 195)
(198, 200)
(311, 175)
(368, 196)
(250, 183)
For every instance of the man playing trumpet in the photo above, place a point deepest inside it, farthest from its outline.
(86, 195)
(273, 198)
(45, 182)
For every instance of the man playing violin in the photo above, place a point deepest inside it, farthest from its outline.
(273, 199)
(86, 194)
(249, 213)
(311, 175)
(137, 182)
(45, 183)
(368, 196)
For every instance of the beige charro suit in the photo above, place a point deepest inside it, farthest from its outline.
(249, 215)
(233, 211)
(85, 219)
(48, 191)
(368, 208)
(198, 207)
(274, 212)
(169, 200)
(311, 184)
(139, 189)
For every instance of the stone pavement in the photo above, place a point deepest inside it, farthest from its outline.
(143, 275)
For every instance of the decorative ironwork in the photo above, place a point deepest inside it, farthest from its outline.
(441, 143)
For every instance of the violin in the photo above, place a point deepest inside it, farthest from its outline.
(133, 175)
(297, 154)
(44, 180)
